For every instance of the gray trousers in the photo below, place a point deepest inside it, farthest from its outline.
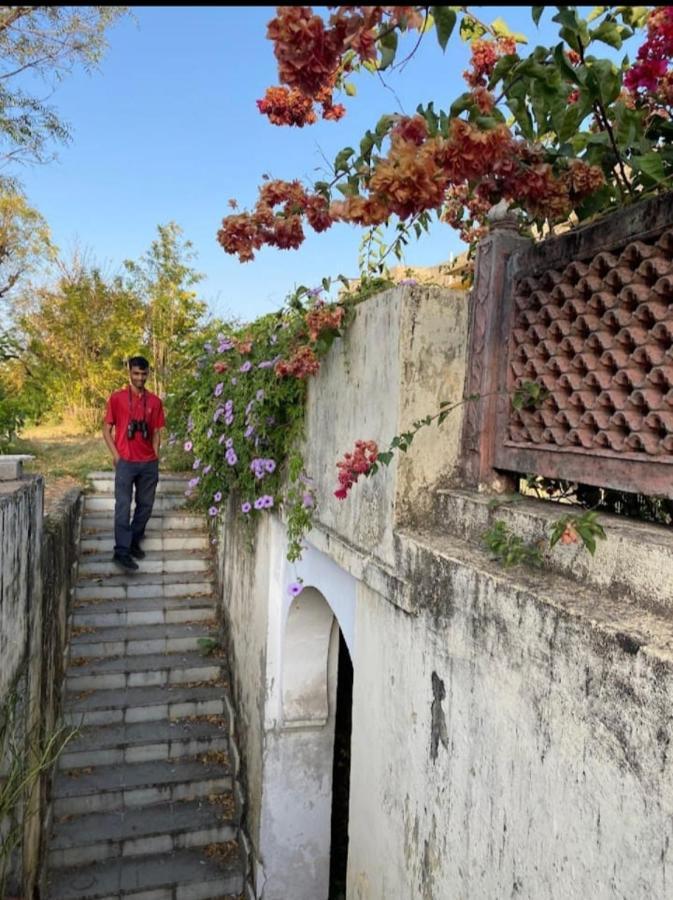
(143, 476)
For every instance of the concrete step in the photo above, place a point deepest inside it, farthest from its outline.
(159, 522)
(138, 832)
(169, 482)
(184, 875)
(103, 541)
(115, 614)
(168, 562)
(143, 704)
(143, 585)
(137, 640)
(153, 670)
(106, 502)
(80, 791)
(143, 741)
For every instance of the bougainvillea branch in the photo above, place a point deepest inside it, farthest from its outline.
(558, 133)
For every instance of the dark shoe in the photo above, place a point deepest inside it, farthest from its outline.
(125, 562)
(137, 552)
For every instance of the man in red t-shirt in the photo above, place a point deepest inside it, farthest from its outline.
(137, 417)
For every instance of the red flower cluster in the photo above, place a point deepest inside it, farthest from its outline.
(220, 367)
(302, 364)
(310, 52)
(287, 107)
(355, 464)
(414, 177)
(485, 55)
(283, 106)
(321, 318)
(655, 54)
(244, 233)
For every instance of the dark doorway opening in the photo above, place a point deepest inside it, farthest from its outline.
(341, 771)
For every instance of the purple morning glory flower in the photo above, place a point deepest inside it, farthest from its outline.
(307, 501)
(248, 408)
(188, 446)
(217, 496)
(229, 406)
(219, 387)
(206, 469)
(265, 364)
(213, 511)
(225, 344)
(196, 464)
(295, 588)
(221, 439)
(270, 465)
(208, 347)
(193, 482)
(231, 457)
(229, 443)
(245, 507)
(228, 419)
(259, 503)
(209, 433)
(218, 412)
(268, 501)
(249, 431)
(247, 365)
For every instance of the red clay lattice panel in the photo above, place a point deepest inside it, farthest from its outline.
(598, 334)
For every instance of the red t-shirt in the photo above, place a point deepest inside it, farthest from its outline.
(122, 407)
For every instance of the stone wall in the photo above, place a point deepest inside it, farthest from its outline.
(38, 557)
(510, 728)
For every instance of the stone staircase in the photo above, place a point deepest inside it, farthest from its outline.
(145, 799)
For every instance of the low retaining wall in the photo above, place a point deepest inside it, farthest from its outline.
(38, 562)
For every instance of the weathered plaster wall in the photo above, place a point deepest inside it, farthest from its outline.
(402, 356)
(522, 747)
(511, 729)
(38, 559)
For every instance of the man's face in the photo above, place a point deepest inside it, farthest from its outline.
(138, 377)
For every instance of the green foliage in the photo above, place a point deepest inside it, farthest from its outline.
(252, 411)
(24, 759)
(25, 242)
(509, 549)
(207, 645)
(585, 526)
(48, 41)
(163, 279)
(77, 336)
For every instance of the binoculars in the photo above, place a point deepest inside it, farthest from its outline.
(137, 425)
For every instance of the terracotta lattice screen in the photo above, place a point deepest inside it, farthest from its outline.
(589, 315)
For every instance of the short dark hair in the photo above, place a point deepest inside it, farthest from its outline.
(138, 362)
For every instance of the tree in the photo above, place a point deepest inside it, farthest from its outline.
(558, 134)
(162, 280)
(25, 242)
(47, 41)
(77, 337)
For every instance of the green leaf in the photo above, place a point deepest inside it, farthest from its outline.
(470, 29)
(651, 164)
(569, 72)
(460, 104)
(596, 12)
(342, 157)
(388, 44)
(445, 20)
(536, 13)
(609, 33)
(350, 88)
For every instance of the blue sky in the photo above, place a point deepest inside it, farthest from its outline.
(168, 129)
